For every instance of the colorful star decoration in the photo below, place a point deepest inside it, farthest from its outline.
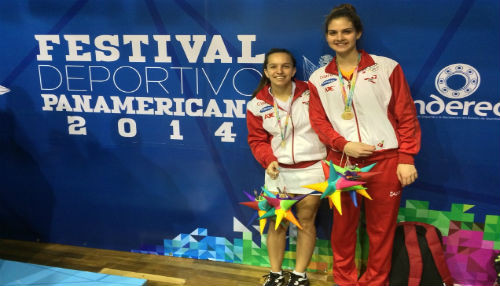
(343, 179)
(259, 204)
(282, 209)
(269, 205)
(338, 179)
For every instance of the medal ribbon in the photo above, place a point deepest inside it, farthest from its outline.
(276, 111)
(348, 98)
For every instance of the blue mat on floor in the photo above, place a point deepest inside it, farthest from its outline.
(24, 274)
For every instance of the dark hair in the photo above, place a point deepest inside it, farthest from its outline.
(344, 10)
(264, 80)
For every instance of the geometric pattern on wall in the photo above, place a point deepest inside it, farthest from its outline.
(199, 245)
(469, 246)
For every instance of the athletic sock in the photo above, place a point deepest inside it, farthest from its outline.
(301, 274)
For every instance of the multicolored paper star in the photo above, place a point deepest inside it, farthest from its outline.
(269, 205)
(260, 204)
(340, 180)
(282, 209)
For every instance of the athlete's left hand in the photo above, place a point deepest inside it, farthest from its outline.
(407, 174)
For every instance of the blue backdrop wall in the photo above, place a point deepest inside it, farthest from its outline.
(123, 122)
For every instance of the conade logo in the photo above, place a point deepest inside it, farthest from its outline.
(456, 82)
(458, 71)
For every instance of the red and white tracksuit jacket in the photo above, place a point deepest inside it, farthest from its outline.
(264, 137)
(385, 117)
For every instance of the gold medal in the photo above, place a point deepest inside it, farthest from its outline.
(347, 115)
(283, 144)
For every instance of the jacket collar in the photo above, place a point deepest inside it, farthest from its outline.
(366, 61)
(264, 94)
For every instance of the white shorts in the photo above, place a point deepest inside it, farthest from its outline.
(292, 179)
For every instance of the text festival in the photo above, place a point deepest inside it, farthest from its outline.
(77, 73)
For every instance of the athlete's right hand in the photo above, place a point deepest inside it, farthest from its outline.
(273, 170)
(358, 149)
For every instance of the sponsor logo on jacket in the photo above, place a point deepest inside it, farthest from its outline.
(328, 88)
(326, 75)
(328, 81)
(269, 115)
(266, 108)
(372, 78)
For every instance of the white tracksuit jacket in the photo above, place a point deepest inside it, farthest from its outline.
(385, 114)
(264, 137)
